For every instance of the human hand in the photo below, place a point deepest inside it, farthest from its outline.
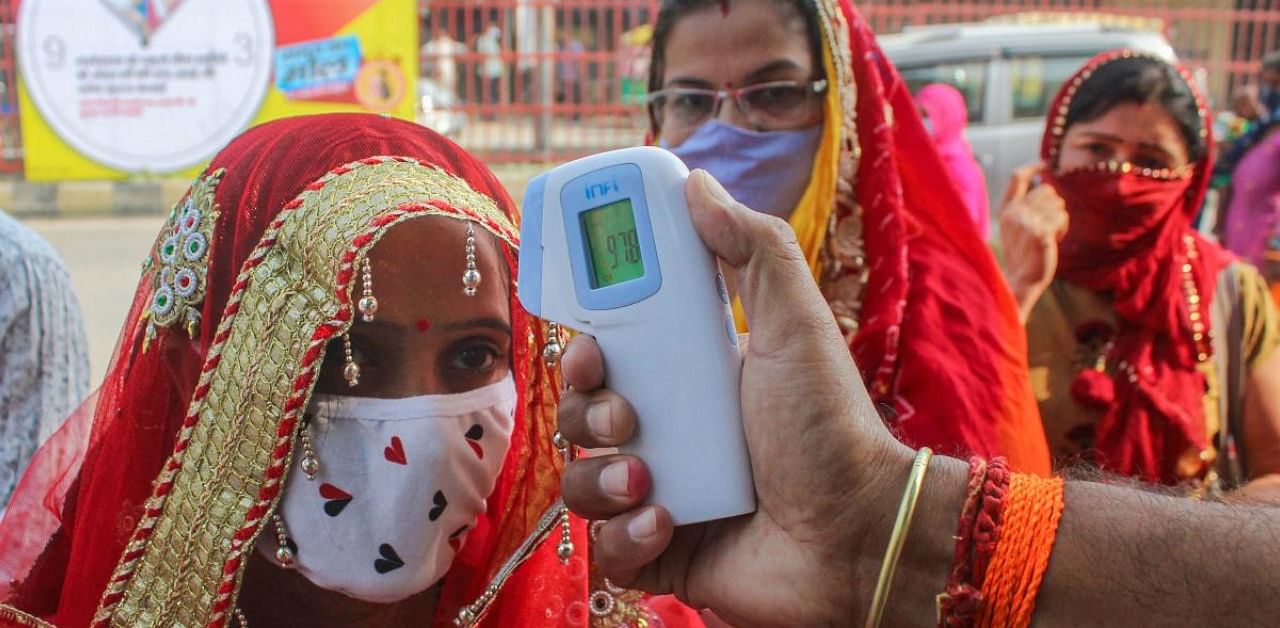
(812, 433)
(1033, 221)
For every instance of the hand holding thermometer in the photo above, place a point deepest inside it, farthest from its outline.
(608, 248)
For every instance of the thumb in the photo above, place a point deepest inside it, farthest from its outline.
(777, 290)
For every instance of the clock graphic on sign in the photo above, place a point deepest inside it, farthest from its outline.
(146, 85)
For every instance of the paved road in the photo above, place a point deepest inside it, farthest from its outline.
(104, 257)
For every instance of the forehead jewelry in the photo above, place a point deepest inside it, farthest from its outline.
(471, 277)
(368, 303)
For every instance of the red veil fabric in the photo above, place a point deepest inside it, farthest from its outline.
(939, 339)
(73, 513)
(1128, 240)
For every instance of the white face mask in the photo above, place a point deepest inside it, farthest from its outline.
(400, 483)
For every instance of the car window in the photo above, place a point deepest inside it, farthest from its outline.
(970, 77)
(1035, 80)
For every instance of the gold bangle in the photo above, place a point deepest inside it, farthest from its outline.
(901, 526)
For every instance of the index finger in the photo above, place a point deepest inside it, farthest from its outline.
(1020, 182)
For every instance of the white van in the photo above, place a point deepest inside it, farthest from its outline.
(1009, 73)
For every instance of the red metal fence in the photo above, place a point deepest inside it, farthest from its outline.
(542, 80)
(1226, 38)
(538, 79)
(10, 136)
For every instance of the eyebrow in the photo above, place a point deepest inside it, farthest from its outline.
(479, 323)
(755, 76)
(1114, 138)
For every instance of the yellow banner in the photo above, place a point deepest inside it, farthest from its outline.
(117, 89)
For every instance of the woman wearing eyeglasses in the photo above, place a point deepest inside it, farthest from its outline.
(791, 105)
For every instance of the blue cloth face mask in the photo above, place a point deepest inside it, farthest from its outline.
(766, 171)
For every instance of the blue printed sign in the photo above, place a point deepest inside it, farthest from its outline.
(318, 67)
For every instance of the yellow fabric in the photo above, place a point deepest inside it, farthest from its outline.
(813, 212)
(1261, 319)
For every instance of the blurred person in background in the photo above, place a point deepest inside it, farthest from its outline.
(945, 117)
(791, 105)
(44, 360)
(492, 68)
(1245, 112)
(441, 60)
(1152, 348)
(1253, 214)
(570, 69)
(1269, 101)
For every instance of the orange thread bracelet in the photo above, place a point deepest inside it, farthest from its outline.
(1030, 525)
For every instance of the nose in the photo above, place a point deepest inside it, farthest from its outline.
(417, 377)
(729, 113)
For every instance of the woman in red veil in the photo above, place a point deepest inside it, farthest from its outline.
(147, 507)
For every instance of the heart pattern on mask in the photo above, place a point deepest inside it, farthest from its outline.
(441, 504)
(335, 499)
(455, 539)
(395, 451)
(390, 560)
(473, 438)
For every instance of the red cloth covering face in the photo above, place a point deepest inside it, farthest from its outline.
(75, 509)
(1128, 242)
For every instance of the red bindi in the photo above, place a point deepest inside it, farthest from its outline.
(423, 324)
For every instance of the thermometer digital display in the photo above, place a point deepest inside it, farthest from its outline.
(612, 243)
(608, 249)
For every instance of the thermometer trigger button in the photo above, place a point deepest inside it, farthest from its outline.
(720, 287)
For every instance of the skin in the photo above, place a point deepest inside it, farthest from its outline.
(756, 41)
(1036, 219)
(829, 490)
(417, 275)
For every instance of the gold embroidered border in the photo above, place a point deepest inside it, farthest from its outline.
(19, 618)
(290, 293)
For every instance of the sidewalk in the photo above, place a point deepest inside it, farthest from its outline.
(85, 199)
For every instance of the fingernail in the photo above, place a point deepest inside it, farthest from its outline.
(614, 478)
(716, 189)
(600, 420)
(644, 526)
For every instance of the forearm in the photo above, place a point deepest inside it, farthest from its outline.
(1260, 490)
(1124, 557)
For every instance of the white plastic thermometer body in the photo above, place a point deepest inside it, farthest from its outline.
(608, 248)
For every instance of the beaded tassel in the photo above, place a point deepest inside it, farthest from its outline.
(471, 278)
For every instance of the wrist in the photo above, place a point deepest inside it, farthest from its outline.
(927, 555)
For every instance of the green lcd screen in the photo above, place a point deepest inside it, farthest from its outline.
(612, 244)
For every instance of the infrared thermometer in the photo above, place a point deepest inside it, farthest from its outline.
(608, 249)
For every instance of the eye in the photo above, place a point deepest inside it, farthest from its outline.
(1155, 162)
(1098, 149)
(690, 104)
(473, 355)
(776, 99)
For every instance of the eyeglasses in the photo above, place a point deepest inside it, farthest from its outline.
(775, 105)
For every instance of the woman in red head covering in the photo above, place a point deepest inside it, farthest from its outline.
(1151, 348)
(326, 407)
(946, 115)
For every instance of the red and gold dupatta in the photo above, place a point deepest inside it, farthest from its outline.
(143, 509)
